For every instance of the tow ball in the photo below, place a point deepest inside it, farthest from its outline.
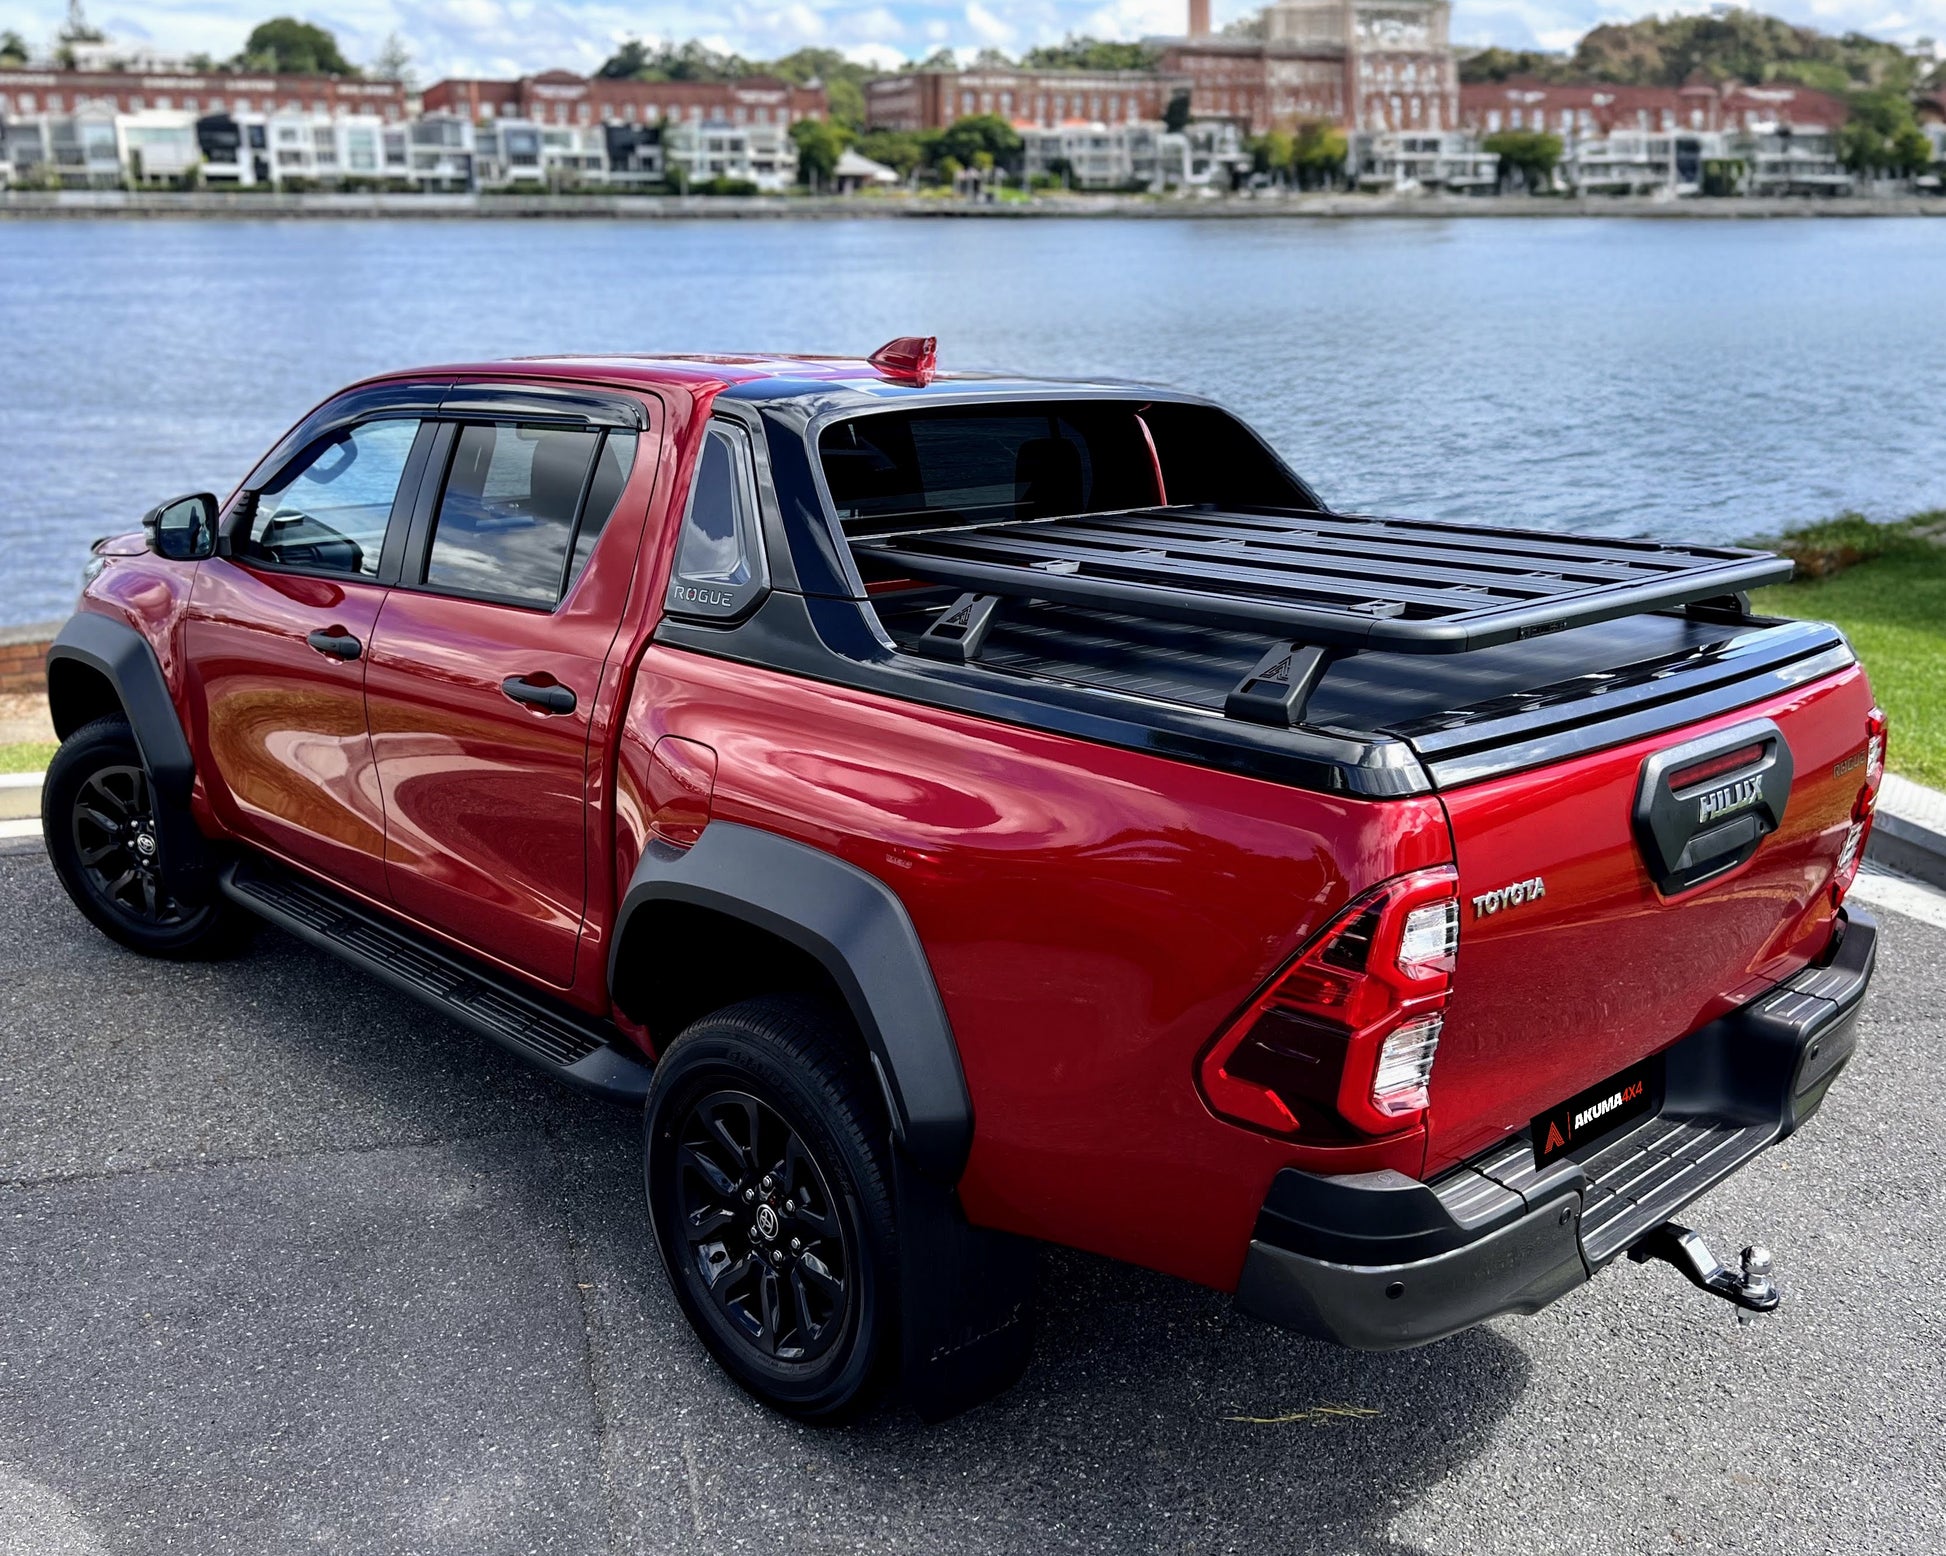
(1753, 1291)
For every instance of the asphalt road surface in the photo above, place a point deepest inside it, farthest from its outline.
(288, 1265)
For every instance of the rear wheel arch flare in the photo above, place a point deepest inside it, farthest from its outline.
(831, 923)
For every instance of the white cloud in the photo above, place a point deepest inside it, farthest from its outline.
(987, 27)
(879, 56)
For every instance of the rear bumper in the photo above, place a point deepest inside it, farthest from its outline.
(1380, 1261)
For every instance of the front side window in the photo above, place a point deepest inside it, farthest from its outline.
(327, 511)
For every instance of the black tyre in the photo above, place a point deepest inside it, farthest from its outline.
(765, 1152)
(98, 814)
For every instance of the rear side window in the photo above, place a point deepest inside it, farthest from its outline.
(522, 509)
(328, 510)
(719, 560)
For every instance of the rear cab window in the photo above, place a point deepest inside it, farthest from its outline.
(521, 508)
(917, 469)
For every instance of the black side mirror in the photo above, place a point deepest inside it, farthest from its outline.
(183, 529)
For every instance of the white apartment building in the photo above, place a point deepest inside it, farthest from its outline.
(1136, 156)
(1635, 162)
(760, 154)
(513, 152)
(1403, 160)
(96, 147)
(1791, 159)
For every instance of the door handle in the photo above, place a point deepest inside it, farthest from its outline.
(549, 697)
(336, 642)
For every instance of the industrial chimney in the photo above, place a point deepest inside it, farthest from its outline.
(1199, 18)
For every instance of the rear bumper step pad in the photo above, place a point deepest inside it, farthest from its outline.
(580, 1050)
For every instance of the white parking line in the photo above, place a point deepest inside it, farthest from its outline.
(1901, 894)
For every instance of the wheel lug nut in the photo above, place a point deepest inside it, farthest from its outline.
(797, 1245)
(748, 1195)
(776, 1256)
(769, 1183)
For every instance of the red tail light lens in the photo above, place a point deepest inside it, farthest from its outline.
(1851, 855)
(1345, 1035)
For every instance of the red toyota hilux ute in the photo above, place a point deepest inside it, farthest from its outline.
(969, 812)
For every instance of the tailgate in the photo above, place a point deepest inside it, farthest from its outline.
(1593, 931)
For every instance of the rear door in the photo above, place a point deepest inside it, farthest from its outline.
(1613, 903)
(276, 637)
(484, 670)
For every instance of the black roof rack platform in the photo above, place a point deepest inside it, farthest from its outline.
(1338, 580)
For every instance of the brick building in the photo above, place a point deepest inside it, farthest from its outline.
(1045, 99)
(1579, 110)
(559, 97)
(25, 93)
(1362, 64)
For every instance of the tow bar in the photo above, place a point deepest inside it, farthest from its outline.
(1754, 1293)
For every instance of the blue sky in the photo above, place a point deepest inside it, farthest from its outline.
(508, 37)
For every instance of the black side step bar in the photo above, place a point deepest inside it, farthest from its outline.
(581, 1050)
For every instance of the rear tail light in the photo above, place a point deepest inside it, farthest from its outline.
(1346, 1034)
(1851, 853)
(1405, 1067)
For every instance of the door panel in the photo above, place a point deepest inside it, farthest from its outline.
(485, 795)
(285, 723)
(481, 687)
(275, 637)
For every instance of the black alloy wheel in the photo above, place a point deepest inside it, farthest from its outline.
(766, 1156)
(137, 879)
(113, 830)
(766, 1245)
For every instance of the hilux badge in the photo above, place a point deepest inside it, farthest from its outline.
(1491, 902)
(1732, 796)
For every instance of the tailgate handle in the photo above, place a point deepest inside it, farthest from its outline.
(1703, 807)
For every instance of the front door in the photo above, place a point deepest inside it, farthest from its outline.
(276, 636)
(481, 680)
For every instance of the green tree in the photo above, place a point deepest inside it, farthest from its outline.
(13, 49)
(1733, 44)
(1497, 64)
(1318, 153)
(1530, 153)
(627, 62)
(285, 46)
(1862, 148)
(75, 29)
(1271, 154)
(820, 144)
(1079, 53)
(1175, 117)
(987, 132)
(393, 61)
(1883, 136)
(1911, 151)
(843, 81)
(901, 150)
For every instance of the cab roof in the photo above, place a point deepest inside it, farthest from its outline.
(754, 375)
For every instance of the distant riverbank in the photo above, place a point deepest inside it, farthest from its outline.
(83, 204)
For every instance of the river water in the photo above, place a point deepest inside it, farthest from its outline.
(1701, 379)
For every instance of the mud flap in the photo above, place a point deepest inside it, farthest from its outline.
(966, 1320)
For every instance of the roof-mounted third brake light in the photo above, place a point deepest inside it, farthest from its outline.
(910, 359)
